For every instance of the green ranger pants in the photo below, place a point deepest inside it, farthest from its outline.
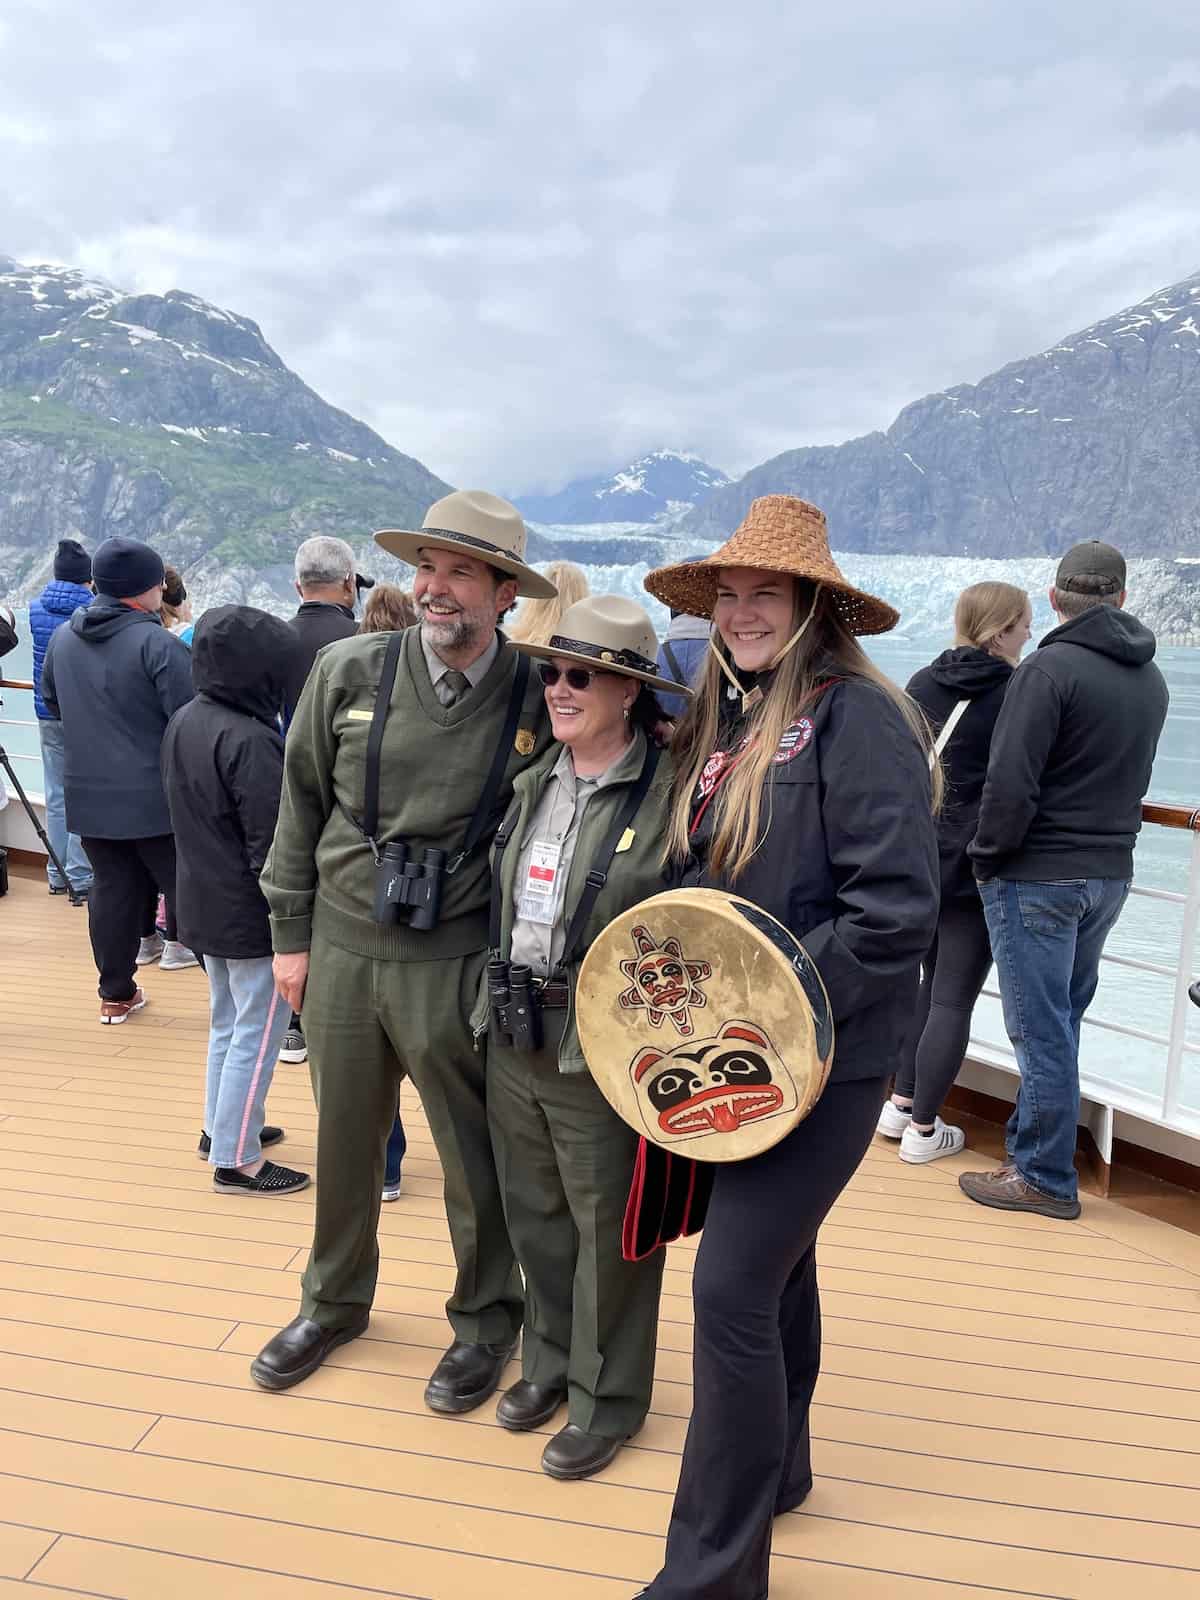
(368, 1024)
(565, 1161)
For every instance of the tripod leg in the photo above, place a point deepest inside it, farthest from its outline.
(76, 899)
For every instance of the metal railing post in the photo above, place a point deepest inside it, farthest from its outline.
(1181, 1005)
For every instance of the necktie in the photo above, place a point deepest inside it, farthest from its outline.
(451, 687)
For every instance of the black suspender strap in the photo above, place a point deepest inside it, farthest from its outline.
(597, 874)
(673, 663)
(383, 698)
(491, 788)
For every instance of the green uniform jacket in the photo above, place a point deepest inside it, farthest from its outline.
(635, 873)
(320, 872)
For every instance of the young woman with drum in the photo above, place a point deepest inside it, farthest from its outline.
(803, 786)
(583, 840)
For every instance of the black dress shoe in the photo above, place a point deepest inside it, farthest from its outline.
(267, 1136)
(528, 1405)
(299, 1349)
(572, 1453)
(465, 1376)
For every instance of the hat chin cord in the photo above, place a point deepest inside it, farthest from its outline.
(753, 697)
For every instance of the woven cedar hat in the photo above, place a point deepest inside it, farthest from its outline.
(609, 632)
(480, 525)
(779, 533)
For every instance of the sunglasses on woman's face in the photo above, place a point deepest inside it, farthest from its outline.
(577, 677)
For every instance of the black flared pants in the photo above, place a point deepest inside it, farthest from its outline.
(757, 1351)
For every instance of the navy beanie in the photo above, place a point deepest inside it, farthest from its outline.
(125, 567)
(72, 564)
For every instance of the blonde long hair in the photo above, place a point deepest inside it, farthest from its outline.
(739, 830)
(985, 610)
(538, 620)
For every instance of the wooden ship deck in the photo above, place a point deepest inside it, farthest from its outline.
(1009, 1405)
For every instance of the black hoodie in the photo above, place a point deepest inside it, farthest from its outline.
(222, 763)
(115, 676)
(1072, 753)
(970, 674)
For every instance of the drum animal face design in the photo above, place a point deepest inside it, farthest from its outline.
(664, 981)
(712, 1086)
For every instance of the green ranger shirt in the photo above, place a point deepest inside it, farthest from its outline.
(434, 760)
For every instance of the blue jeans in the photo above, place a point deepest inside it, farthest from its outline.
(1047, 939)
(66, 845)
(247, 1021)
(396, 1146)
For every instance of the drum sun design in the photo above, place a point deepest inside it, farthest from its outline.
(664, 981)
(712, 1085)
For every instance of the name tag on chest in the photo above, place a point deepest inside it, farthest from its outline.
(538, 895)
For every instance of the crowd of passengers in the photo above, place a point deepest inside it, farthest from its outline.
(224, 792)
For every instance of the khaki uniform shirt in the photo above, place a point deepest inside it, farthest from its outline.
(556, 820)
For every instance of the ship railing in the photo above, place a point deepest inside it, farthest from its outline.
(1164, 1107)
(20, 722)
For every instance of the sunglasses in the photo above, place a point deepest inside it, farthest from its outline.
(577, 677)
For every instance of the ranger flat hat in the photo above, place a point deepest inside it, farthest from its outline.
(609, 632)
(480, 525)
(779, 533)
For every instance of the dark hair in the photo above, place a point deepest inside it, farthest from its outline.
(647, 711)
(174, 592)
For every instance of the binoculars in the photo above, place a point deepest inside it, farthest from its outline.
(513, 1001)
(409, 890)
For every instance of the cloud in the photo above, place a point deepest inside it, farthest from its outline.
(530, 240)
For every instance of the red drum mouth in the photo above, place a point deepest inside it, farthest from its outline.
(666, 999)
(722, 1110)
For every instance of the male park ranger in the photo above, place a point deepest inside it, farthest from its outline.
(400, 764)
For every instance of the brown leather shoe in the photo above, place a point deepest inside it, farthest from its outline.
(528, 1405)
(465, 1376)
(299, 1349)
(572, 1453)
(1007, 1190)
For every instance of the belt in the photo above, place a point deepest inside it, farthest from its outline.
(554, 996)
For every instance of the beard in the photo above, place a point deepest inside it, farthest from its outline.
(457, 632)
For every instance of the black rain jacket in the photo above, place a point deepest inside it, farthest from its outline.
(222, 762)
(1072, 754)
(848, 864)
(115, 677)
(965, 673)
(316, 624)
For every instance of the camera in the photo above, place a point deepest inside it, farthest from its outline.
(408, 891)
(513, 1001)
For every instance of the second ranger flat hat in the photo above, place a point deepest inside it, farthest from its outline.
(480, 525)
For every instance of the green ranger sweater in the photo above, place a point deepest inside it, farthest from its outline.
(634, 875)
(320, 874)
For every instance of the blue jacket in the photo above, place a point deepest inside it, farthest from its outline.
(688, 639)
(49, 611)
(116, 677)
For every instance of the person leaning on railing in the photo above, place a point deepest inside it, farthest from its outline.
(1053, 854)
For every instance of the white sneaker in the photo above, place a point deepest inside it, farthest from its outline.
(176, 956)
(892, 1120)
(149, 949)
(391, 1191)
(943, 1141)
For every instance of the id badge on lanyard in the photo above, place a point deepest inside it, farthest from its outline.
(538, 898)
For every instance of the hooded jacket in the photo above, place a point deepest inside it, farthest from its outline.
(965, 673)
(1072, 753)
(848, 862)
(316, 624)
(57, 601)
(115, 677)
(222, 765)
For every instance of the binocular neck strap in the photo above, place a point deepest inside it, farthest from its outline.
(383, 699)
(491, 789)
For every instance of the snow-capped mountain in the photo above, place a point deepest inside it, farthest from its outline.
(662, 485)
(1097, 436)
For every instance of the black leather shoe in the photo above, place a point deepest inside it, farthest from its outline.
(267, 1137)
(299, 1349)
(528, 1405)
(572, 1453)
(465, 1376)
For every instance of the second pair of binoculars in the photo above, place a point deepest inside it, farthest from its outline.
(408, 890)
(515, 1007)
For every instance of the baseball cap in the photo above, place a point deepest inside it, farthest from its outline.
(1091, 568)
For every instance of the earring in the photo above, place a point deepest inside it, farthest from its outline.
(625, 710)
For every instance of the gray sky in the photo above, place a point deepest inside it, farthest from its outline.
(526, 240)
